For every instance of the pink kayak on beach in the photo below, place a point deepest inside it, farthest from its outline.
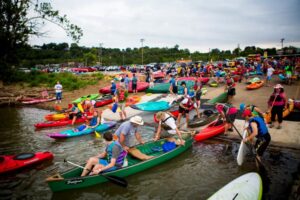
(141, 86)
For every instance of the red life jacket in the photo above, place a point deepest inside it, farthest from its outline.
(189, 103)
(121, 95)
(230, 82)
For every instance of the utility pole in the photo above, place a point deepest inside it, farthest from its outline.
(281, 40)
(142, 41)
(100, 53)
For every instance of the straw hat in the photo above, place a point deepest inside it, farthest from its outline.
(137, 120)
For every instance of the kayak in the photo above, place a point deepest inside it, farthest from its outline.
(222, 98)
(213, 84)
(152, 106)
(72, 180)
(246, 187)
(90, 97)
(286, 112)
(130, 101)
(71, 133)
(297, 104)
(207, 117)
(253, 80)
(211, 130)
(10, 163)
(282, 77)
(141, 86)
(61, 122)
(203, 80)
(104, 100)
(255, 73)
(35, 101)
(158, 74)
(242, 150)
(255, 85)
(164, 87)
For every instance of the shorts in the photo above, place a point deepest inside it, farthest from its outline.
(122, 106)
(183, 111)
(231, 91)
(262, 144)
(133, 86)
(288, 75)
(231, 118)
(175, 89)
(269, 78)
(58, 95)
(105, 163)
(198, 96)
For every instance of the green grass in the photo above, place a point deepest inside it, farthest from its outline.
(68, 80)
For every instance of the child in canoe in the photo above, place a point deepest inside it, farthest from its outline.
(92, 123)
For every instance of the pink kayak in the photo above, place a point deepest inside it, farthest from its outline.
(37, 100)
(141, 86)
(204, 80)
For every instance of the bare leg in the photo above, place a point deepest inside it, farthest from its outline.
(88, 167)
(138, 154)
(96, 168)
(178, 120)
(74, 119)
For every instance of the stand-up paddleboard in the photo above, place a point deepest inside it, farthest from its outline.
(246, 187)
(242, 150)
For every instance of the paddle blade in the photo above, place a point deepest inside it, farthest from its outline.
(97, 134)
(79, 106)
(116, 180)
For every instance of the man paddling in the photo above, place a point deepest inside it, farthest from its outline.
(257, 128)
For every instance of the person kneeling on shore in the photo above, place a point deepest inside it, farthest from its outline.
(110, 160)
(167, 128)
(257, 128)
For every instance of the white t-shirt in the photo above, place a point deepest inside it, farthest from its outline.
(185, 101)
(270, 71)
(171, 123)
(58, 88)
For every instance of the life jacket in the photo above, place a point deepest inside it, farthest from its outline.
(230, 82)
(261, 126)
(164, 125)
(226, 108)
(121, 95)
(93, 121)
(277, 99)
(121, 157)
(254, 113)
(189, 103)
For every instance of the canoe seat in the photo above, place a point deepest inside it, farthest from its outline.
(55, 177)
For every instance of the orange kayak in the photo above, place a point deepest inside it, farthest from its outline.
(130, 101)
(255, 85)
(285, 113)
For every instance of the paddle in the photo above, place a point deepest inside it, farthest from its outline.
(97, 134)
(114, 179)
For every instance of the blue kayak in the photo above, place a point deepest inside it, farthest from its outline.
(152, 106)
(71, 133)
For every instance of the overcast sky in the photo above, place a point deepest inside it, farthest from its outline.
(194, 24)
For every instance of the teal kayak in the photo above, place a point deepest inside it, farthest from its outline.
(71, 133)
(152, 106)
(90, 97)
(164, 87)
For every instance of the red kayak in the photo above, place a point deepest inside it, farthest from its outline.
(141, 86)
(61, 122)
(35, 101)
(211, 130)
(10, 163)
(107, 99)
(203, 80)
(158, 74)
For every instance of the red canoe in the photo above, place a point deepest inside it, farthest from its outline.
(10, 163)
(212, 130)
(141, 86)
(35, 101)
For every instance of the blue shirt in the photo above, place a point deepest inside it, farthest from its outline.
(126, 80)
(172, 82)
(128, 130)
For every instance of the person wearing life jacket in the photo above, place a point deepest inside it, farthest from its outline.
(185, 106)
(74, 113)
(121, 97)
(167, 128)
(110, 160)
(257, 128)
(276, 103)
(253, 108)
(93, 122)
(229, 87)
(228, 114)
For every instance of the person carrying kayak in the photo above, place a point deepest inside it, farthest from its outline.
(167, 128)
(257, 128)
(127, 135)
(229, 87)
(121, 97)
(92, 123)
(110, 160)
(228, 114)
(253, 108)
(74, 113)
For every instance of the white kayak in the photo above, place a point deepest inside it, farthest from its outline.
(242, 150)
(246, 187)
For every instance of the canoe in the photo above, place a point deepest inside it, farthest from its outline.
(255, 85)
(11, 163)
(207, 117)
(152, 106)
(246, 187)
(90, 97)
(130, 101)
(61, 122)
(104, 100)
(222, 98)
(286, 112)
(71, 179)
(70, 133)
(141, 86)
(214, 129)
(36, 101)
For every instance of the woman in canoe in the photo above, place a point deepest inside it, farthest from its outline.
(229, 87)
(110, 160)
(167, 128)
(92, 123)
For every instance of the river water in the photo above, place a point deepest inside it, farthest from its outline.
(196, 174)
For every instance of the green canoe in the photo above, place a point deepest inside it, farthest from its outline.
(90, 96)
(222, 98)
(71, 179)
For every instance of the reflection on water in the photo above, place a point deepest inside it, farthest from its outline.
(196, 174)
